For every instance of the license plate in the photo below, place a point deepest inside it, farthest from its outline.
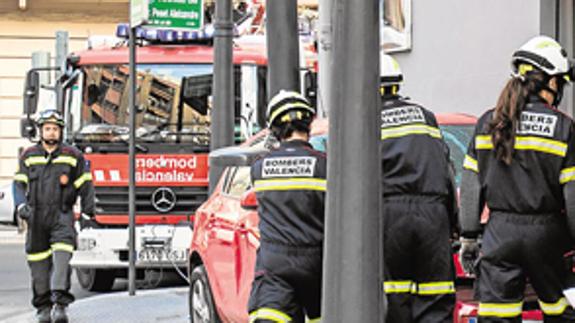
(162, 255)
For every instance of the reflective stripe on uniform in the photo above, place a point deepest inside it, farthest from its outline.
(500, 309)
(60, 246)
(470, 163)
(556, 308)
(398, 286)
(436, 288)
(82, 179)
(483, 142)
(567, 175)
(543, 145)
(316, 320)
(39, 256)
(416, 129)
(72, 161)
(269, 314)
(35, 160)
(19, 177)
(313, 184)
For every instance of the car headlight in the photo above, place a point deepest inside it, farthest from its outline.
(86, 244)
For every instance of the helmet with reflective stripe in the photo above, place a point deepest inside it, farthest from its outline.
(50, 116)
(390, 72)
(543, 53)
(288, 106)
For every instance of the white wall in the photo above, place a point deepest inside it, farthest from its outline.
(460, 53)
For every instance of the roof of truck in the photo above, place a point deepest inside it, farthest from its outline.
(171, 54)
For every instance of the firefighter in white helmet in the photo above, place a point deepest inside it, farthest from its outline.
(521, 164)
(418, 209)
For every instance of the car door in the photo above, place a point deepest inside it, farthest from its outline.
(221, 219)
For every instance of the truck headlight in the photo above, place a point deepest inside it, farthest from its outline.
(86, 244)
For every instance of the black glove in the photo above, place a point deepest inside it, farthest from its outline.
(88, 221)
(24, 211)
(468, 254)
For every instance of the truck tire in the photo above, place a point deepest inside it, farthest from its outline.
(201, 301)
(96, 280)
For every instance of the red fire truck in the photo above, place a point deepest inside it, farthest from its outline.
(174, 88)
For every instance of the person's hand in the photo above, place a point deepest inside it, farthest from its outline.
(88, 221)
(468, 254)
(24, 211)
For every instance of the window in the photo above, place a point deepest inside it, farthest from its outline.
(240, 182)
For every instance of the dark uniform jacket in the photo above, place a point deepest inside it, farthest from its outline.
(543, 161)
(413, 165)
(55, 180)
(290, 184)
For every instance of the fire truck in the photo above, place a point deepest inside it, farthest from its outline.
(173, 103)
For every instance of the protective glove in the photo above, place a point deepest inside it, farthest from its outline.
(24, 211)
(468, 254)
(88, 221)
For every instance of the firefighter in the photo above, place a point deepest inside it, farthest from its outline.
(521, 165)
(418, 207)
(51, 175)
(290, 185)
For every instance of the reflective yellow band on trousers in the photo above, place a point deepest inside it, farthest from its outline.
(567, 175)
(316, 320)
(60, 246)
(416, 129)
(543, 145)
(436, 288)
(269, 314)
(35, 160)
(19, 177)
(398, 286)
(72, 161)
(556, 308)
(39, 256)
(500, 309)
(470, 163)
(82, 179)
(313, 184)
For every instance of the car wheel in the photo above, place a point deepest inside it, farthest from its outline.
(96, 280)
(202, 309)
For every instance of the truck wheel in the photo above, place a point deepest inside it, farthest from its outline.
(96, 280)
(202, 309)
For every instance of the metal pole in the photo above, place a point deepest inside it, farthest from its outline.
(352, 285)
(61, 54)
(325, 56)
(222, 127)
(42, 59)
(132, 149)
(61, 51)
(282, 46)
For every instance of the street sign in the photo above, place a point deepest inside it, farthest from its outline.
(173, 14)
(138, 12)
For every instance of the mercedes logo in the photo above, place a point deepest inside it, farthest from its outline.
(164, 199)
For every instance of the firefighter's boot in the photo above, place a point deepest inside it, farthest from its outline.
(59, 314)
(43, 315)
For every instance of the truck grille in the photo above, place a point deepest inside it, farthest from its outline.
(114, 200)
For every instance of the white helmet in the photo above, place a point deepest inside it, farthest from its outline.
(287, 106)
(543, 53)
(389, 71)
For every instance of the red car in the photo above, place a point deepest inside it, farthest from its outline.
(226, 235)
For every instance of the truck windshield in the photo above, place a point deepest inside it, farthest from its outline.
(172, 103)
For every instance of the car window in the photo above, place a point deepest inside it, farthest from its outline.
(457, 138)
(230, 171)
(240, 182)
(319, 142)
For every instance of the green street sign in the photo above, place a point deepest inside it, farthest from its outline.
(172, 14)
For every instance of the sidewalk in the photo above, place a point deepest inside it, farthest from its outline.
(10, 235)
(164, 305)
